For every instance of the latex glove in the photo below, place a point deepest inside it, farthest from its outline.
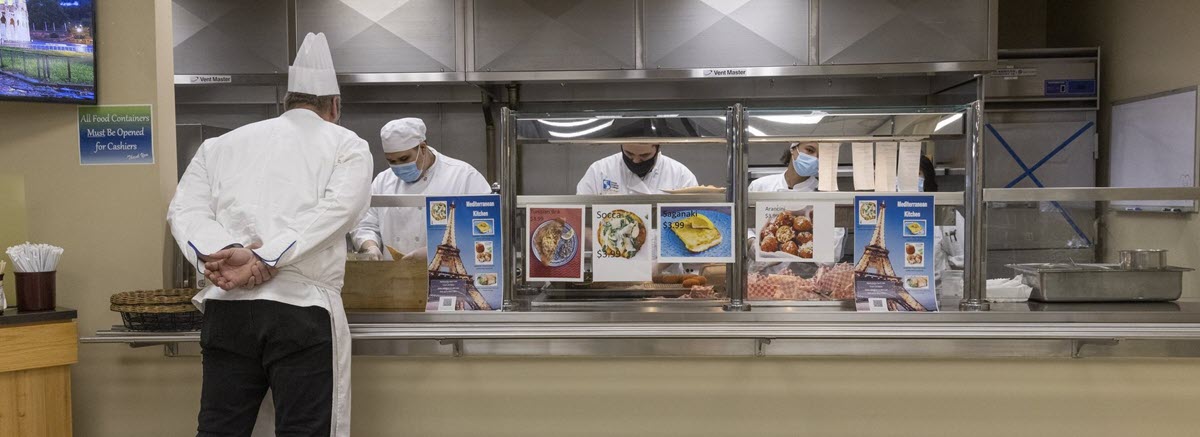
(370, 251)
(419, 254)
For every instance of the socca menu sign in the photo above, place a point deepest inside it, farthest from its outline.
(621, 244)
(116, 135)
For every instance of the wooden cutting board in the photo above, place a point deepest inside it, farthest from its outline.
(386, 285)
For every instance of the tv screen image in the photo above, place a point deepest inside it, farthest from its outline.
(47, 50)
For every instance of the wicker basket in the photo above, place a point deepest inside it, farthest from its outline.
(158, 310)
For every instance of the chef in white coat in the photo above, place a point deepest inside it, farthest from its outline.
(801, 174)
(640, 168)
(416, 168)
(266, 208)
(802, 161)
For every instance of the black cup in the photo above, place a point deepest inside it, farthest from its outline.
(35, 291)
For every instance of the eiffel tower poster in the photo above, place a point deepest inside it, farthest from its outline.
(892, 241)
(470, 280)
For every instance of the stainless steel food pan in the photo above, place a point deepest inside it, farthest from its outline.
(1100, 283)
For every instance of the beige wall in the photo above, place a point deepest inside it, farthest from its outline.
(1146, 47)
(12, 225)
(109, 219)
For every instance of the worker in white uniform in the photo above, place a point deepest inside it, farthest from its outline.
(802, 161)
(801, 174)
(416, 168)
(266, 208)
(640, 168)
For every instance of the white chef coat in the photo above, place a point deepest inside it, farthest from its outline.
(295, 184)
(777, 182)
(611, 176)
(404, 228)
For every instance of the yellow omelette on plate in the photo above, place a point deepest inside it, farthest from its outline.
(697, 232)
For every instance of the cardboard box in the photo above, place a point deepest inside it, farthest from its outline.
(386, 285)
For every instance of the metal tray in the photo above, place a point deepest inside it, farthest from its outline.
(1100, 283)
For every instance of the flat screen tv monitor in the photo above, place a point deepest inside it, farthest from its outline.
(47, 50)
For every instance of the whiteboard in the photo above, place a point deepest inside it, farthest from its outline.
(1153, 146)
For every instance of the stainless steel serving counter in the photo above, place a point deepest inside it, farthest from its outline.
(1026, 329)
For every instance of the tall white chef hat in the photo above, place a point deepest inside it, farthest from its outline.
(312, 72)
(403, 134)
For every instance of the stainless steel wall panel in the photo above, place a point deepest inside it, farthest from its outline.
(384, 36)
(554, 35)
(224, 116)
(725, 33)
(230, 36)
(902, 31)
(227, 95)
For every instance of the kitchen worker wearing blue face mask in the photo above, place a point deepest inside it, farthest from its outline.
(801, 173)
(415, 168)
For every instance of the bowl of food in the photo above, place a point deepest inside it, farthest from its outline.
(621, 234)
(788, 235)
(554, 243)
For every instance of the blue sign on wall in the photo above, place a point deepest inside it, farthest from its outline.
(116, 135)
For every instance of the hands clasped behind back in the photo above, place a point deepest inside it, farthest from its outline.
(237, 267)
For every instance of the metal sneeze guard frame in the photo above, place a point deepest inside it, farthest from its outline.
(512, 202)
(1011, 330)
(738, 136)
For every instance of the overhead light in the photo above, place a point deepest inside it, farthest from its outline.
(590, 130)
(754, 131)
(813, 118)
(574, 123)
(947, 121)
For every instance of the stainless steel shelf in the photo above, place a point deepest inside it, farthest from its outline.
(847, 197)
(397, 200)
(1100, 194)
(1161, 321)
(873, 70)
(524, 201)
(726, 330)
(1010, 330)
(649, 140)
(796, 139)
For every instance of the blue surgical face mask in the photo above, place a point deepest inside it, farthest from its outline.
(408, 172)
(805, 165)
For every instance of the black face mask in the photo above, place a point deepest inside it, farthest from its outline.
(641, 169)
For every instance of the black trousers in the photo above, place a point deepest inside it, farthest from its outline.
(250, 346)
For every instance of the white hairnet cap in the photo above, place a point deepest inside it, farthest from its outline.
(312, 72)
(403, 134)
